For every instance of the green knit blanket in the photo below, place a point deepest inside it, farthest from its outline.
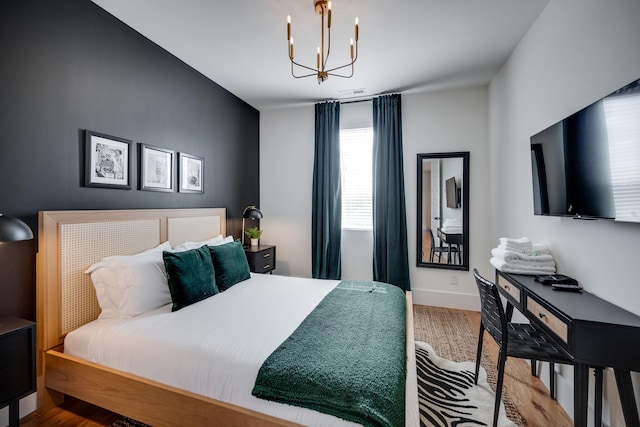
(347, 358)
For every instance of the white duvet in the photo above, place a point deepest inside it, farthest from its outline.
(214, 347)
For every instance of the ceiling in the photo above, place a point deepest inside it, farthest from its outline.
(405, 46)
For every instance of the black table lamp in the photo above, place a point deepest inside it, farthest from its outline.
(250, 212)
(13, 230)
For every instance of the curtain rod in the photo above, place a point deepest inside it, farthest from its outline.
(366, 99)
(356, 101)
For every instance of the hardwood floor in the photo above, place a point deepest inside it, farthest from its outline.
(528, 393)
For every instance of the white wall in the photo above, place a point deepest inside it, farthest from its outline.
(286, 170)
(577, 52)
(455, 120)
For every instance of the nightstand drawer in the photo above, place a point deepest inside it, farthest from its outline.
(262, 259)
(17, 359)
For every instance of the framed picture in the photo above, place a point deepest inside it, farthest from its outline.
(107, 161)
(191, 169)
(156, 168)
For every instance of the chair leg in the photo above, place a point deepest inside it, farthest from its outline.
(597, 403)
(534, 367)
(552, 380)
(479, 352)
(502, 358)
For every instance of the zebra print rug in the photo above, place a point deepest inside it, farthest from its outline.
(447, 393)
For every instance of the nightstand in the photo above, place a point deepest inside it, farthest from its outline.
(17, 364)
(261, 258)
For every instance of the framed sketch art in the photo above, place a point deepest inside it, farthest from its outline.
(191, 170)
(156, 168)
(107, 161)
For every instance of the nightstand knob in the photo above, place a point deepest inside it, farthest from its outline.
(267, 255)
(266, 266)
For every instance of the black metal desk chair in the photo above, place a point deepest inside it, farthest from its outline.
(521, 340)
(439, 250)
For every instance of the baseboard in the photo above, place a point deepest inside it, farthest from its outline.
(446, 299)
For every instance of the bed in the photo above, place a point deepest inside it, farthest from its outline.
(70, 241)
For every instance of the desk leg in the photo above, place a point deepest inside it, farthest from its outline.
(14, 413)
(627, 397)
(580, 394)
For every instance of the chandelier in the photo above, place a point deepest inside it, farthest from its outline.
(323, 8)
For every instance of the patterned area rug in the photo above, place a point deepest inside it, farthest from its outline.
(450, 334)
(448, 395)
(128, 422)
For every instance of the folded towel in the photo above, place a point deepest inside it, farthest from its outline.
(519, 257)
(522, 241)
(534, 249)
(505, 267)
(451, 229)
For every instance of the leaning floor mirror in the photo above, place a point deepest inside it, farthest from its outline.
(443, 210)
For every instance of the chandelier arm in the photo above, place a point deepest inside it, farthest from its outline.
(355, 58)
(328, 48)
(350, 64)
(315, 71)
(305, 75)
(339, 75)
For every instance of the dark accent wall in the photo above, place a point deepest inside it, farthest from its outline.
(67, 66)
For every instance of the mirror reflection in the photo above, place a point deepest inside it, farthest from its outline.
(443, 214)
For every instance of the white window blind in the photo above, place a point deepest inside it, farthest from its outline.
(623, 128)
(356, 169)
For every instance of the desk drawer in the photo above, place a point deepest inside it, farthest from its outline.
(558, 326)
(510, 288)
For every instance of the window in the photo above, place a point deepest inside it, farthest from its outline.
(356, 170)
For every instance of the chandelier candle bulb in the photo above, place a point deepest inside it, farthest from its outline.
(288, 27)
(329, 17)
(291, 48)
(356, 28)
(351, 48)
(318, 58)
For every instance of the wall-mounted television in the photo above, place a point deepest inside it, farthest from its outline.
(452, 193)
(587, 165)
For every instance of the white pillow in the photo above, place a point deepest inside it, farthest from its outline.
(129, 285)
(214, 241)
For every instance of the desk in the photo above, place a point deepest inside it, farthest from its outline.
(592, 330)
(452, 239)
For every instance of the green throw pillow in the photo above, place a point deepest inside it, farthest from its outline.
(230, 264)
(190, 275)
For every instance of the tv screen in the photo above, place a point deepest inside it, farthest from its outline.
(588, 165)
(452, 193)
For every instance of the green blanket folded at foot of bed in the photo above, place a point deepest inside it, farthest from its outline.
(347, 358)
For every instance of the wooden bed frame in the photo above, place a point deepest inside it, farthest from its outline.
(70, 241)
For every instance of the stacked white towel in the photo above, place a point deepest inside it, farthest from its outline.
(521, 256)
(451, 226)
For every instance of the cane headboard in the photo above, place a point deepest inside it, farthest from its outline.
(70, 241)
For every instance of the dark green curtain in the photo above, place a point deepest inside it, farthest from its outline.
(327, 194)
(390, 253)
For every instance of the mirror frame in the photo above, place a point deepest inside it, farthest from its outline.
(465, 213)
